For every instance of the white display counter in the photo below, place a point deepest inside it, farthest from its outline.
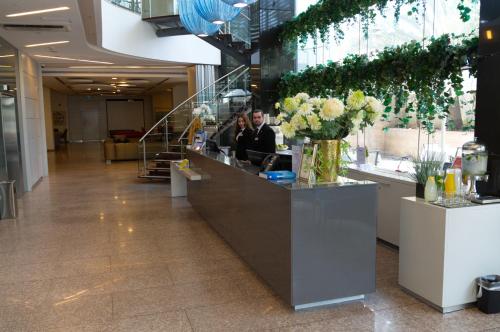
(392, 186)
(442, 251)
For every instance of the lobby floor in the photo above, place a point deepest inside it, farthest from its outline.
(96, 249)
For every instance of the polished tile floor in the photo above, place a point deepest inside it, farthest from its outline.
(95, 249)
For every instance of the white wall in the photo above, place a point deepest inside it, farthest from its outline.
(78, 104)
(49, 124)
(31, 121)
(125, 32)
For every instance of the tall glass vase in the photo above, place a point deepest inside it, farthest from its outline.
(327, 160)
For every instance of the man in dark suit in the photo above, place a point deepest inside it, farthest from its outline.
(263, 137)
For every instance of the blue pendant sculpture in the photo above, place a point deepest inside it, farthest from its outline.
(193, 22)
(216, 11)
(239, 3)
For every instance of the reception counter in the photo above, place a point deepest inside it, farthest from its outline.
(313, 244)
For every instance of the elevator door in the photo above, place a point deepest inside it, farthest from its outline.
(90, 121)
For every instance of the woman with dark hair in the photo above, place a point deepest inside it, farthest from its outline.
(242, 136)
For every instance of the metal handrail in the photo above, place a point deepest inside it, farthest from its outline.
(185, 101)
(213, 100)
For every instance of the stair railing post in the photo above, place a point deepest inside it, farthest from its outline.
(166, 134)
(144, 169)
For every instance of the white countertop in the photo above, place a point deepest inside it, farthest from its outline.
(385, 173)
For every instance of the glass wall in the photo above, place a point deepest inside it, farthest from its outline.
(10, 161)
(133, 5)
(159, 8)
(389, 142)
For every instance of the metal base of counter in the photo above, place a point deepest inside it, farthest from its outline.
(328, 303)
(314, 245)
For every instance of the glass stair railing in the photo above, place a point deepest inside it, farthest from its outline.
(132, 5)
(168, 138)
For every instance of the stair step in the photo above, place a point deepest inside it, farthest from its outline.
(158, 169)
(154, 177)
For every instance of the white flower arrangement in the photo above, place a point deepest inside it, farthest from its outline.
(204, 112)
(327, 118)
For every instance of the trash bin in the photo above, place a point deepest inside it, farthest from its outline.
(8, 204)
(488, 295)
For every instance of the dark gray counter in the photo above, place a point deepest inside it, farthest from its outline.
(313, 244)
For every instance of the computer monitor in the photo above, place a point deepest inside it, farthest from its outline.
(256, 157)
(212, 146)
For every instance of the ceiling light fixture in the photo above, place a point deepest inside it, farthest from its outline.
(71, 59)
(7, 55)
(4, 66)
(239, 3)
(114, 78)
(40, 11)
(127, 67)
(49, 43)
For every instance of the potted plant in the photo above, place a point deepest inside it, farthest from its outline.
(326, 121)
(425, 166)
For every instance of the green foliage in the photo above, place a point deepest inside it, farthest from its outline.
(432, 74)
(318, 18)
(344, 160)
(426, 166)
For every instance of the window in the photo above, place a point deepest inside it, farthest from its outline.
(387, 147)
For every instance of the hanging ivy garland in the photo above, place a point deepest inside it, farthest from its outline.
(432, 74)
(318, 18)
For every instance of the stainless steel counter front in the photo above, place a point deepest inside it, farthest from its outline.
(313, 244)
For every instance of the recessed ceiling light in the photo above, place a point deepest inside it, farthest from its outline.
(49, 43)
(98, 89)
(125, 85)
(218, 22)
(7, 55)
(128, 67)
(114, 78)
(71, 59)
(240, 5)
(40, 11)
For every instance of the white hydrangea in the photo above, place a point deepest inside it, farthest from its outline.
(302, 96)
(317, 102)
(374, 105)
(291, 104)
(314, 122)
(356, 100)
(298, 122)
(282, 117)
(332, 109)
(287, 129)
(305, 109)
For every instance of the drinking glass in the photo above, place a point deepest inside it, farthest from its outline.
(449, 186)
(458, 185)
(440, 185)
